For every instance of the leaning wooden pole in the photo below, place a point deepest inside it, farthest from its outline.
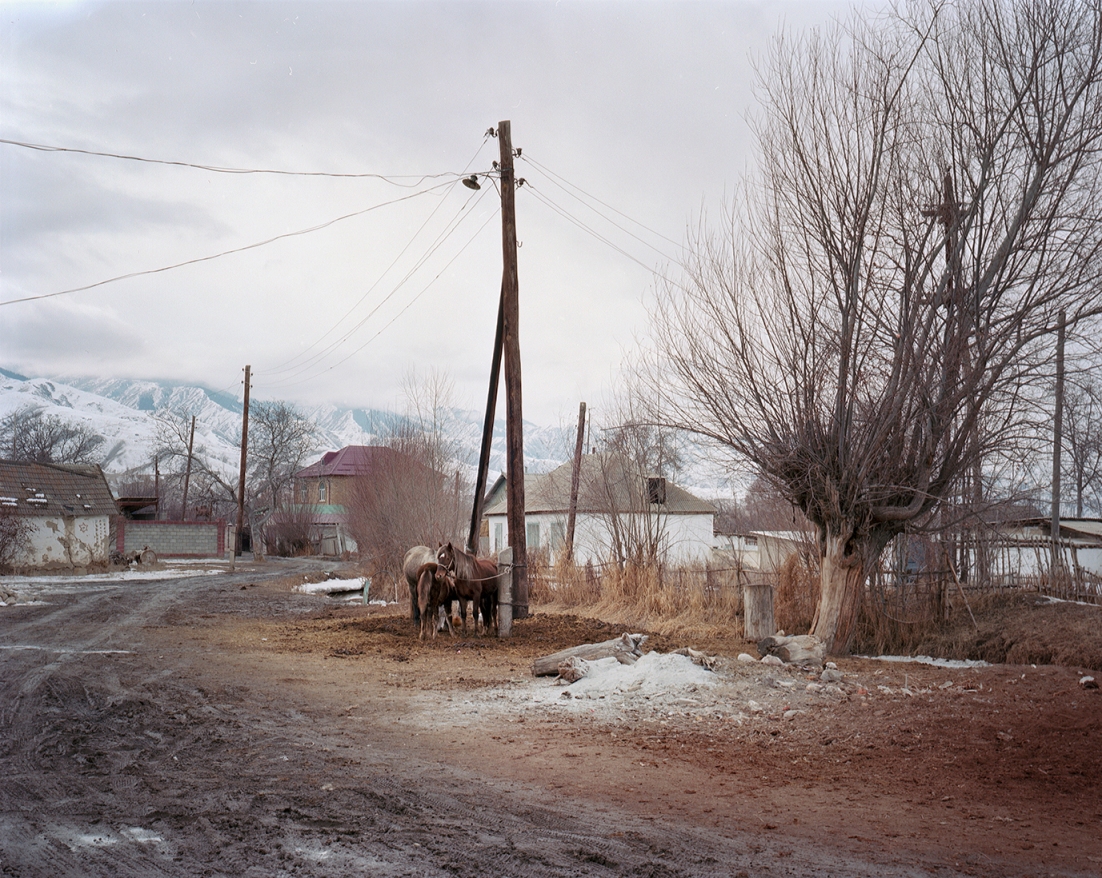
(514, 418)
(487, 429)
(244, 459)
(575, 483)
(187, 472)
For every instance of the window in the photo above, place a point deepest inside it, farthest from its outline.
(303, 492)
(656, 490)
(499, 536)
(532, 532)
(558, 535)
(323, 492)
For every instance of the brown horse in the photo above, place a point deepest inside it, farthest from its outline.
(434, 587)
(476, 579)
(415, 557)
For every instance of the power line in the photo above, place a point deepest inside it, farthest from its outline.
(230, 252)
(279, 367)
(569, 217)
(393, 179)
(562, 183)
(452, 225)
(389, 323)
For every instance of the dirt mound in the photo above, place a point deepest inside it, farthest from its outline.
(1024, 628)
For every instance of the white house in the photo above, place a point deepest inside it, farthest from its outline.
(620, 513)
(67, 511)
(1024, 550)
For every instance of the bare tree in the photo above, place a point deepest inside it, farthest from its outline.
(280, 441)
(1083, 444)
(626, 483)
(417, 494)
(211, 487)
(869, 325)
(29, 434)
(762, 507)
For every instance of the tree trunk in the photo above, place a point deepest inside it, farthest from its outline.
(842, 580)
(757, 604)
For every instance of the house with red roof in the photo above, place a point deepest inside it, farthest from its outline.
(325, 490)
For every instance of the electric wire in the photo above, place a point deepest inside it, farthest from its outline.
(392, 320)
(453, 224)
(450, 226)
(563, 183)
(569, 217)
(279, 367)
(230, 252)
(415, 179)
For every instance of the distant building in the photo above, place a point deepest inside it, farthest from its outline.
(325, 490)
(68, 510)
(1022, 550)
(620, 513)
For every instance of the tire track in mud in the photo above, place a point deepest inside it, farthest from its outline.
(149, 762)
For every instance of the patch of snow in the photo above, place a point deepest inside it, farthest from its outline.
(331, 586)
(928, 660)
(654, 675)
(1049, 599)
(112, 576)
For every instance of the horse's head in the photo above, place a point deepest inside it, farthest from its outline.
(445, 556)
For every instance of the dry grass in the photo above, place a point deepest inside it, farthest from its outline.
(683, 601)
(796, 595)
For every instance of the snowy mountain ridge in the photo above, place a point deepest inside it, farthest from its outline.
(125, 413)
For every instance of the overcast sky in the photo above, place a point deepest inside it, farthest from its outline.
(626, 113)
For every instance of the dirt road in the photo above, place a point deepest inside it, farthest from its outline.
(223, 725)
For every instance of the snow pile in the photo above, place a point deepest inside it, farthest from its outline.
(331, 586)
(929, 660)
(654, 675)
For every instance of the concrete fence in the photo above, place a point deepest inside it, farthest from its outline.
(173, 539)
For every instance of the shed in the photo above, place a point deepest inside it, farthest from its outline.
(619, 510)
(67, 510)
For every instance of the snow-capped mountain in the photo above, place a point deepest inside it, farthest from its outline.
(124, 412)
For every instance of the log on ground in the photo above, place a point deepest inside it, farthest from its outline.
(626, 649)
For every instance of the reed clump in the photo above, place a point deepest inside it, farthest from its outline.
(658, 598)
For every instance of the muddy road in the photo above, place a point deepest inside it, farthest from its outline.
(223, 725)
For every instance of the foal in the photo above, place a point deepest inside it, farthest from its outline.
(434, 587)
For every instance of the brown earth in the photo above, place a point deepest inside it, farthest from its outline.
(223, 725)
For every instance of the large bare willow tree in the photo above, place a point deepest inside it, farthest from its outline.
(869, 325)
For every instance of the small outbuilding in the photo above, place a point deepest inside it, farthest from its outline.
(62, 514)
(621, 512)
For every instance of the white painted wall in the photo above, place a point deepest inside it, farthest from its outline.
(62, 543)
(687, 538)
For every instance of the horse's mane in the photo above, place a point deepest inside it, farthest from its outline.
(471, 567)
(465, 567)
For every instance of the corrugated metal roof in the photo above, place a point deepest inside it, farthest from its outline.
(1083, 528)
(606, 483)
(54, 489)
(1086, 526)
(352, 460)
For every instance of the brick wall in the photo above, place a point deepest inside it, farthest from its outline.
(173, 539)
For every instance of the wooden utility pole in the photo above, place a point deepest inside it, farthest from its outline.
(514, 418)
(487, 429)
(1058, 438)
(575, 482)
(187, 470)
(244, 458)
